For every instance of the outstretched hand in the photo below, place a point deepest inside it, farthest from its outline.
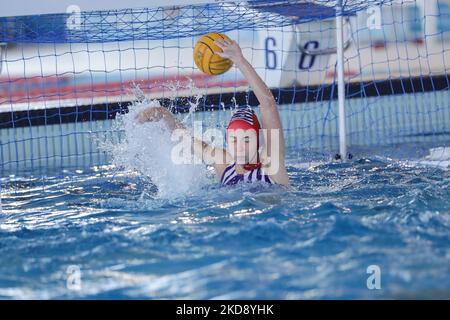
(230, 50)
(151, 114)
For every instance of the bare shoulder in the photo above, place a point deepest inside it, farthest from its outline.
(221, 163)
(220, 169)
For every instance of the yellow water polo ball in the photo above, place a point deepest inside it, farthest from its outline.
(205, 57)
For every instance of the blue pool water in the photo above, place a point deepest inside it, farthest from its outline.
(314, 241)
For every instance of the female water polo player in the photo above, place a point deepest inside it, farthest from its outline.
(242, 159)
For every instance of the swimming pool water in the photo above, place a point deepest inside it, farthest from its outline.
(314, 241)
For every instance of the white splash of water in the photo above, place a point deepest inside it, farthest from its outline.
(147, 148)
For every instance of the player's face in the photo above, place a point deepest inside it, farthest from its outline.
(242, 145)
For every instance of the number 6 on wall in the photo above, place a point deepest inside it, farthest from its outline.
(271, 55)
(304, 62)
(308, 46)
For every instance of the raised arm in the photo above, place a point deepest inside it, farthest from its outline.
(270, 117)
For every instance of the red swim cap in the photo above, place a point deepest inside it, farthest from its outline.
(244, 118)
